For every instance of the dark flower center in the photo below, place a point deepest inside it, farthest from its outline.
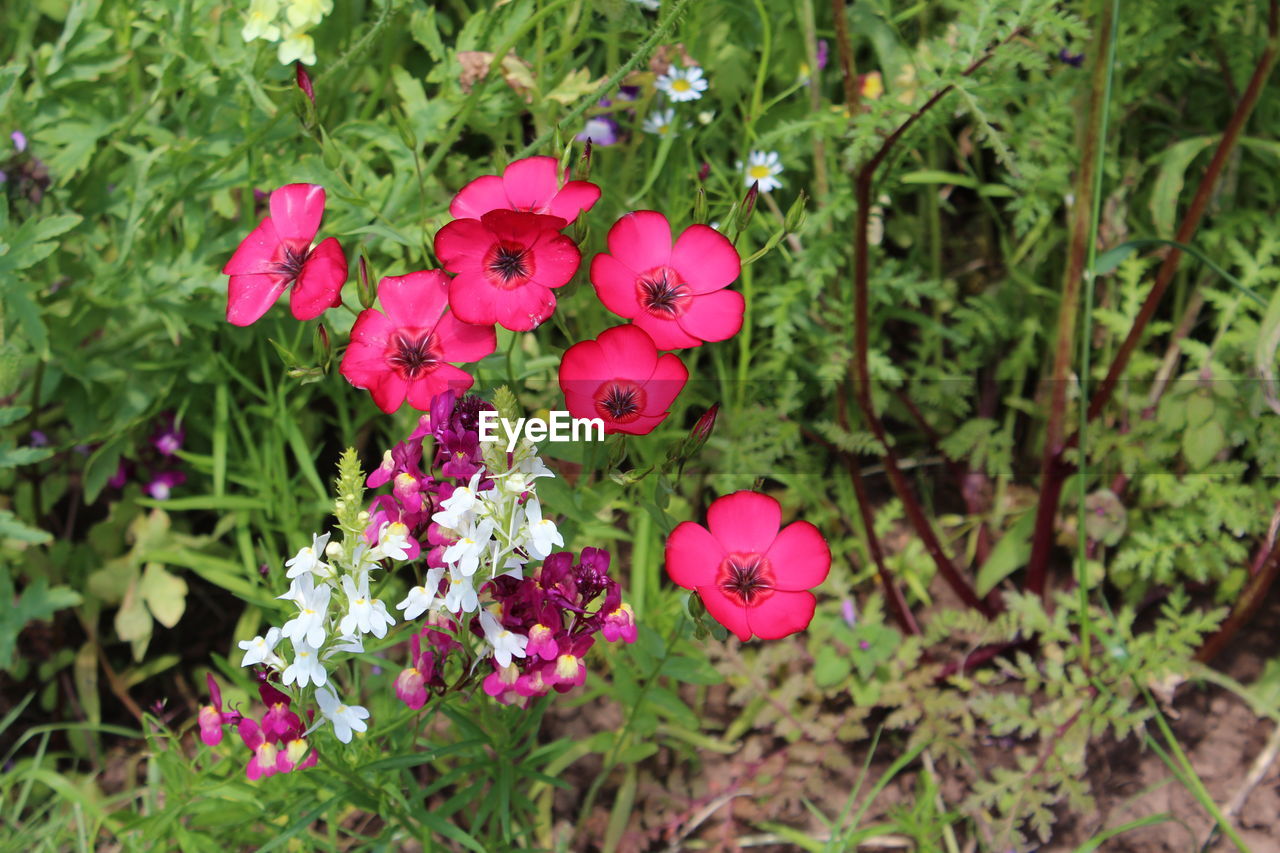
(292, 257)
(413, 354)
(509, 264)
(620, 401)
(746, 578)
(663, 293)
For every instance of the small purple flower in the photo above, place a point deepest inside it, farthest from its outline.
(39, 439)
(850, 614)
(168, 437)
(1075, 60)
(864, 644)
(120, 477)
(628, 93)
(599, 130)
(162, 484)
(822, 54)
(19, 140)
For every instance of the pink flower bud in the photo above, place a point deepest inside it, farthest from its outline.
(304, 82)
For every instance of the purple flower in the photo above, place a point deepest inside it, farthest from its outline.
(19, 140)
(1075, 60)
(822, 53)
(850, 615)
(600, 130)
(163, 483)
(120, 477)
(168, 437)
(39, 439)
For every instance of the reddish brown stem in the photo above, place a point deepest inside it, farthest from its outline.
(1251, 598)
(844, 48)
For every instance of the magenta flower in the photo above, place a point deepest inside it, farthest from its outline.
(168, 437)
(506, 264)
(620, 379)
(163, 484)
(211, 717)
(532, 185)
(752, 578)
(675, 293)
(278, 253)
(405, 353)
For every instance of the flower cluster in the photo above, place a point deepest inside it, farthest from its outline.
(287, 23)
(277, 742)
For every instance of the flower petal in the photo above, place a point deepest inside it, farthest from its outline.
(626, 353)
(464, 342)
(641, 240)
(745, 522)
(725, 611)
(296, 210)
(781, 614)
(390, 392)
(415, 300)
(256, 252)
(666, 383)
(666, 334)
(555, 259)
(713, 316)
(319, 285)
(531, 183)
(615, 284)
(478, 198)
(251, 296)
(693, 555)
(800, 557)
(705, 259)
(574, 198)
(443, 378)
(462, 239)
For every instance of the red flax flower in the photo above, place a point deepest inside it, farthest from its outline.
(752, 578)
(278, 253)
(406, 351)
(506, 265)
(620, 379)
(675, 293)
(532, 185)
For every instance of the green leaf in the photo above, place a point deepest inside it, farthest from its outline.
(165, 594)
(831, 666)
(1264, 350)
(1010, 554)
(1200, 444)
(11, 527)
(12, 457)
(133, 622)
(1169, 180)
(38, 601)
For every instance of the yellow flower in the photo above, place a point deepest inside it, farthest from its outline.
(261, 23)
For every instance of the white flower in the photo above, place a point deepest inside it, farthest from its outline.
(420, 598)
(763, 168)
(345, 718)
(296, 46)
(660, 122)
(261, 23)
(464, 555)
(307, 13)
(651, 5)
(346, 643)
(505, 644)
(393, 540)
(365, 614)
(308, 559)
(260, 650)
(306, 667)
(312, 603)
(533, 467)
(461, 596)
(542, 532)
(454, 510)
(682, 84)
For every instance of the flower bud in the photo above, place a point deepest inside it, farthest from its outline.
(303, 79)
(585, 162)
(704, 171)
(700, 206)
(796, 214)
(748, 207)
(330, 154)
(363, 288)
(407, 136)
(323, 346)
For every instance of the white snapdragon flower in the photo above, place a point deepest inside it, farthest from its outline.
(308, 559)
(461, 596)
(306, 667)
(296, 46)
(313, 604)
(541, 532)
(421, 598)
(365, 615)
(393, 540)
(682, 84)
(464, 555)
(454, 510)
(261, 23)
(307, 13)
(261, 650)
(506, 645)
(353, 643)
(345, 718)
(762, 167)
(533, 467)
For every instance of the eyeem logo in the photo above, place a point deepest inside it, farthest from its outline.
(561, 427)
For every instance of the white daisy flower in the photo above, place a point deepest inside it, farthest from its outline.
(660, 123)
(762, 167)
(682, 84)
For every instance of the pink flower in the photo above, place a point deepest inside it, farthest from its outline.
(278, 253)
(531, 185)
(506, 265)
(675, 293)
(406, 352)
(620, 379)
(411, 688)
(620, 625)
(752, 578)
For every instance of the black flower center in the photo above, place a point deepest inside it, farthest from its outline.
(289, 264)
(662, 293)
(413, 354)
(509, 264)
(746, 577)
(620, 402)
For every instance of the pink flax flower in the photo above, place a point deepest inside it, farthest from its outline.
(620, 379)
(674, 292)
(532, 185)
(278, 253)
(506, 264)
(406, 351)
(752, 578)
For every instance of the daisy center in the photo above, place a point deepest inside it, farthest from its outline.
(663, 293)
(681, 85)
(759, 172)
(508, 265)
(620, 401)
(745, 578)
(413, 354)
